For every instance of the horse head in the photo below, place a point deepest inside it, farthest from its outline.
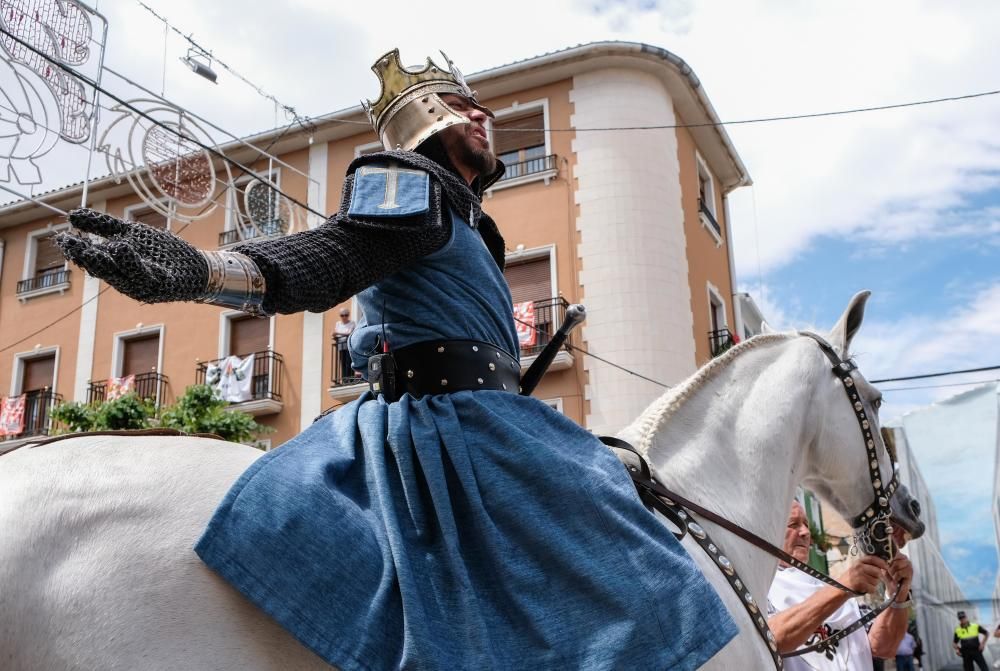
(848, 441)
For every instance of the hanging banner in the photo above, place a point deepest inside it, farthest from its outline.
(12, 416)
(524, 322)
(119, 386)
(232, 378)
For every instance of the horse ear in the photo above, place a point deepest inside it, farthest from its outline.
(765, 329)
(849, 323)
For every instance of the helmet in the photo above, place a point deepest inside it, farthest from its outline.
(409, 108)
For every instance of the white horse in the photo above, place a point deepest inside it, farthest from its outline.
(97, 570)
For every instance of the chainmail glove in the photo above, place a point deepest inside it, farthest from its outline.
(142, 262)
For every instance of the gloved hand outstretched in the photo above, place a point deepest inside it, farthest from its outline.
(142, 262)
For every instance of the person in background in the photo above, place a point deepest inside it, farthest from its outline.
(341, 331)
(904, 653)
(804, 611)
(967, 644)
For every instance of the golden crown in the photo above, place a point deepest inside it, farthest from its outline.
(399, 82)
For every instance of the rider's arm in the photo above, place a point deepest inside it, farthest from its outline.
(792, 626)
(887, 632)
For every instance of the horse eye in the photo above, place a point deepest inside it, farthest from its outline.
(877, 403)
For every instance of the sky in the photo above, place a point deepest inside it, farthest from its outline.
(903, 202)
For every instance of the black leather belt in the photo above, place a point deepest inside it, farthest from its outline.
(442, 367)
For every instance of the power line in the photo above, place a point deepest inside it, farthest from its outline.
(942, 374)
(941, 386)
(304, 122)
(738, 122)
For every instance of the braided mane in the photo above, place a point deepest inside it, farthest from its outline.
(666, 405)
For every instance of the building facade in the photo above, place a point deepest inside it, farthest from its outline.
(632, 223)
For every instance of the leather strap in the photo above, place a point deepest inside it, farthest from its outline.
(445, 367)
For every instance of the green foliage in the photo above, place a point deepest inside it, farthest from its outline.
(124, 413)
(197, 411)
(819, 539)
(200, 411)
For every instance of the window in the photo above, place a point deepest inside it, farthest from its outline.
(45, 268)
(248, 335)
(521, 142)
(38, 373)
(256, 210)
(706, 199)
(147, 215)
(530, 280)
(140, 354)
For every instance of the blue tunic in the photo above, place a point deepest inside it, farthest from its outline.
(473, 530)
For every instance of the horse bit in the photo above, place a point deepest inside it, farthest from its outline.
(873, 526)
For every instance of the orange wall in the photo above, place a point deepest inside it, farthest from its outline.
(707, 262)
(19, 321)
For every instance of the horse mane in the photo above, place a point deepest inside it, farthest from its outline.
(666, 405)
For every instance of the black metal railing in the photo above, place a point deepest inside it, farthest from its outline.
(266, 383)
(703, 209)
(38, 406)
(253, 231)
(529, 167)
(152, 386)
(341, 372)
(549, 315)
(43, 281)
(719, 341)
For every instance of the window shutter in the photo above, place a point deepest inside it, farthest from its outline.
(140, 355)
(530, 280)
(47, 255)
(248, 335)
(512, 136)
(38, 373)
(149, 216)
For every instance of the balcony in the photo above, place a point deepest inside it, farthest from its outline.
(346, 384)
(709, 220)
(38, 406)
(47, 282)
(152, 386)
(541, 168)
(265, 387)
(256, 230)
(719, 341)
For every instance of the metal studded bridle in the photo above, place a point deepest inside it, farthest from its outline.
(873, 528)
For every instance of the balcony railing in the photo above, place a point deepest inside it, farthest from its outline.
(529, 167)
(253, 231)
(45, 280)
(709, 217)
(37, 413)
(152, 386)
(719, 341)
(266, 382)
(341, 373)
(549, 315)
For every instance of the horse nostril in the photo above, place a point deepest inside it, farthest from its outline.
(915, 508)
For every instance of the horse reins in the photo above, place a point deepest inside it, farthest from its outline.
(873, 527)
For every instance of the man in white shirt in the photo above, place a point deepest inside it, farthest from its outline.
(341, 331)
(804, 610)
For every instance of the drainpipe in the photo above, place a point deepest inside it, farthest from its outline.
(735, 296)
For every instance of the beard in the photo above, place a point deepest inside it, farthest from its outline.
(481, 160)
(462, 149)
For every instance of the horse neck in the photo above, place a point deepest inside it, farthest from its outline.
(734, 443)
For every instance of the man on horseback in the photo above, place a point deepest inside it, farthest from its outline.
(804, 610)
(441, 520)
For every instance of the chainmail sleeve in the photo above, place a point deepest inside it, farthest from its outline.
(317, 269)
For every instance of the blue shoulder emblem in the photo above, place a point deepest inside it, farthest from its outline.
(389, 191)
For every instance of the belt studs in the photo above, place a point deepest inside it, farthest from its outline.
(444, 382)
(440, 348)
(475, 348)
(409, 373)
(479, 380)
(493, 366)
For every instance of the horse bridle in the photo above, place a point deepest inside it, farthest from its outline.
(873, 528)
